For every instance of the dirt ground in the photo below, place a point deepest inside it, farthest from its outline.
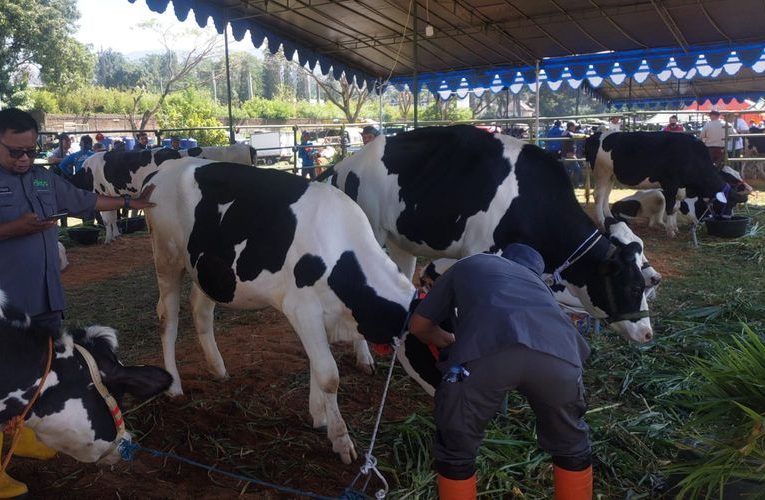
(257, 421)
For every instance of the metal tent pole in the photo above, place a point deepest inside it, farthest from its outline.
(415, 82)
(231, 137)
(536, 111)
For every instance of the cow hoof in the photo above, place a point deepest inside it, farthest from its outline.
(344, 447)
(367, 368)
(174, 390)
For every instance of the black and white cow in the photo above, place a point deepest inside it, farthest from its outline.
(252, 238)
(70, 415)
(119, 173)
(649, 160)
(649, 204)
(456, 191)
(235, 153)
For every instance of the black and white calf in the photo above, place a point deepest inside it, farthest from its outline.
(70, 415)
(252, 238)
(649, 204)
(456, 191)
(119, 173)
(653, 159)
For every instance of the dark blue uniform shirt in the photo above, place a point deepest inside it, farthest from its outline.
(30, 271)
(494, 304)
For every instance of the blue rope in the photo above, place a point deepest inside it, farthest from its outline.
(128, 450)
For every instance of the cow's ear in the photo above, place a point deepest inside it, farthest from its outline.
(630, 252)
(140, 381)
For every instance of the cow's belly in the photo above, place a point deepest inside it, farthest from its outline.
(477, 235)
(643, 184)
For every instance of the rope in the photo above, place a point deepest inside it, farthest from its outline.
(568, 262)
(370, 462)
(128, 450)
(16, 423)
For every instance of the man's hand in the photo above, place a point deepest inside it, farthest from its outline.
(143, 200)
(28, 223)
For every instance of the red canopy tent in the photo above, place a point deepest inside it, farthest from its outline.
(733, 105)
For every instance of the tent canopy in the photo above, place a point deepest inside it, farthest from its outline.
(493, 44)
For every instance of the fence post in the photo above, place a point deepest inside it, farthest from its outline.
(343, 145)
(295, 149)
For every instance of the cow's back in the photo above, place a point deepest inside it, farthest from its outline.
(436, 191)
(253, 237)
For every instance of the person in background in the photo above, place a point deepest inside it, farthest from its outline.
(510, 335)
(674, 126)
(62, 150)
(118, 145)
(73, 163)
(568, 150)
(614, 124)
(735, 145)
(713, 136)
(98, 147)
(307, 156)
(369, 134)
(175, 143)
(555, 131)
(30, 274)
(141, 141)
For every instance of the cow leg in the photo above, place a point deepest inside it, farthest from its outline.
(110, 223)
(364, 360)
(602, 209)
(169, 282)
(670, 193)
(202, 311)
(405, 261)
(325, 379)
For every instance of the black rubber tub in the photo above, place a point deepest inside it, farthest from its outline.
(131, 224)
(728, 228)
(84, 235)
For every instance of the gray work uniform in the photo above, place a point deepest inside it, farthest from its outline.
(30, 274)
(509, 334)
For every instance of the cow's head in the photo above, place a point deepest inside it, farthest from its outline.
(620, 233)
(615, 292)
(70, 415)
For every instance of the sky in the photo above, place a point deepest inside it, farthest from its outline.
(111, 24)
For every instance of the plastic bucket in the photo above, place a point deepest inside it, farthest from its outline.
(727, 228)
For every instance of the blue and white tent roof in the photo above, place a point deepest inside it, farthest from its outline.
(486, 45)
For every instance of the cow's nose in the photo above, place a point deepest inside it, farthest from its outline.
(648, 336)
(655, 280)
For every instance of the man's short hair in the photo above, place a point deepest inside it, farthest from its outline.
(141, 134)
(62, 136)
(673, 116)
(557, 123)
(87, 141)
(369, 129)
(18, 121)
(525, 256)
(714, 112)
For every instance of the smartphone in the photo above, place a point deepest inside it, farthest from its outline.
(57, 216)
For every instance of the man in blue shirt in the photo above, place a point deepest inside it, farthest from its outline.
(510, 334)
(555, 131)
(30, 274)
(307, 155)
(73, 163)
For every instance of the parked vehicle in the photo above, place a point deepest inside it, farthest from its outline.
(272, 147)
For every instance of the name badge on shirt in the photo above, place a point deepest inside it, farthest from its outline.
(41, 184)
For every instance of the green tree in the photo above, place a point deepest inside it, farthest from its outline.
(192, 108)
(169, 71)
(446, 110)
(273, 74)
(35, 33)
(113, 70)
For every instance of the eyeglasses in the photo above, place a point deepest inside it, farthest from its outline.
(18, 153)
